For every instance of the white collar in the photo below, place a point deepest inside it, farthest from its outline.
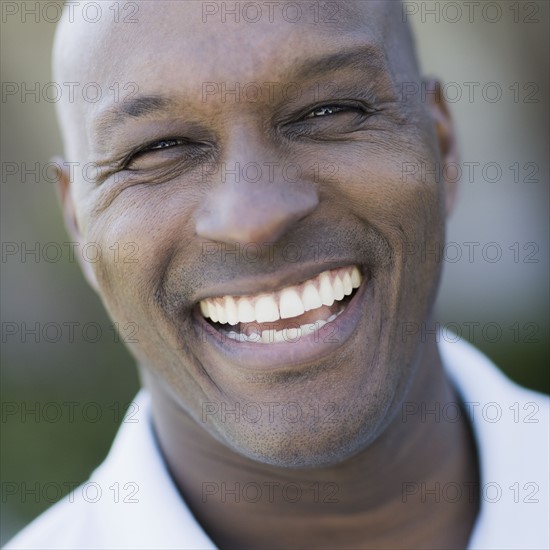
(513, 450)
(160, 519)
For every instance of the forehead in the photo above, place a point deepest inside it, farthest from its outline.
(209, 40)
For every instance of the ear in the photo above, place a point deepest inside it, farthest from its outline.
(65, 195)
(446, 138)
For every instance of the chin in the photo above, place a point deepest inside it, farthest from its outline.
(326, 437)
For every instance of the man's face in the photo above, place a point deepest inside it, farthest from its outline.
(221, 195)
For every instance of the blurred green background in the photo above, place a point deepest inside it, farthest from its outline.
(100, 376)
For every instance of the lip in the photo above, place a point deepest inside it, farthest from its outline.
(270, 283)
(278, 357)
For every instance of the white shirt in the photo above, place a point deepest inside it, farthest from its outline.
(513, 454)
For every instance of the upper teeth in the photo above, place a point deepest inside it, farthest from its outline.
(289, 302)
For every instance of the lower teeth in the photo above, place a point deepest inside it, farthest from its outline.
(292, 334)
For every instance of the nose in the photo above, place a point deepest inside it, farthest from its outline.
(244, 211)
(254, 213)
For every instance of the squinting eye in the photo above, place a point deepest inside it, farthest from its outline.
(325, 110)
(164, 144)
(156, 152)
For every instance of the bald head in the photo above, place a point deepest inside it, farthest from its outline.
(118, 54)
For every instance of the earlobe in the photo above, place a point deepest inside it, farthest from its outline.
(446, 137)
(65, 195)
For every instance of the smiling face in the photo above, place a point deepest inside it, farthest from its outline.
(255, 172)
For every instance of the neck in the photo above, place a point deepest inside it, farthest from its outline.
(390, 495)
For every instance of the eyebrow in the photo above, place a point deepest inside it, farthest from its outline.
(142, 106)
(357, 57)
(137, 107)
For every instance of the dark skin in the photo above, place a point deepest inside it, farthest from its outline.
(171, 203)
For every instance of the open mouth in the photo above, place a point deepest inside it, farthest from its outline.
(286, 315)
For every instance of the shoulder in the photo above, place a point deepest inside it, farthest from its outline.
(510, 425)
(129, 501)
(486, 388)
(66, 525)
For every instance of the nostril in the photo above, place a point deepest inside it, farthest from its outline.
(254, 213)
(250, 227)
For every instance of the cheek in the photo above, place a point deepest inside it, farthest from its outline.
(408, 210)
(137, 235)
(381, 189)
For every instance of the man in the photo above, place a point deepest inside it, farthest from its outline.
(255, 166)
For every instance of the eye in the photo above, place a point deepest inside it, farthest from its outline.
(328, 121)
(325, 110)
(163, 144)
(159, 153)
